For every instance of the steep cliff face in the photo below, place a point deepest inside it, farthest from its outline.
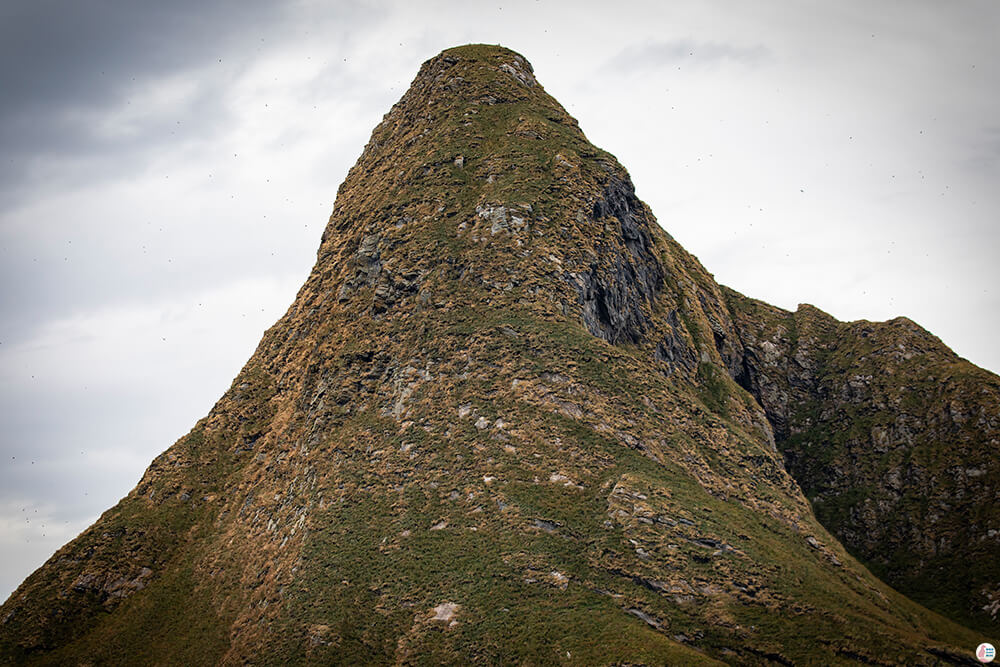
(894, 440)
(498, 424)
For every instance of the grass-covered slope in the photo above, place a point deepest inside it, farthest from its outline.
(495, 426)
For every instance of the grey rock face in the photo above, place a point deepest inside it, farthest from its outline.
(881, 424)
(673, 350)
(618, 289)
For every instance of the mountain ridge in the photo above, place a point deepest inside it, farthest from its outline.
(503, 420)
(905, 404)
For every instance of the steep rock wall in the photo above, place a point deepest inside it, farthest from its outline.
(894, 440)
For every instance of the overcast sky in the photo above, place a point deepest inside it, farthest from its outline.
(168, 168)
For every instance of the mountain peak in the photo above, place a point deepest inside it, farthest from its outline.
(509, 419)
(479, 64)
(501, 178)
(492, 55)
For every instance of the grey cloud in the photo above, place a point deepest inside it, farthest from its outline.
(63, 68)
(65, 64)
(36, 286)
(44, 434)
(58, 54)
(652, 55)
(984, 151)
(62, 147)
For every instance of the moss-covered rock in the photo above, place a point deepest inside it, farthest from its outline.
(894, 440)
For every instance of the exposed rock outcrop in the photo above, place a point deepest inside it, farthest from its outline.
(894, 440)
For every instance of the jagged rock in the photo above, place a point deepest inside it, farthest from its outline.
(652, 622)
(618, 288)
(871, 418)
(446, 611)
(547, 526)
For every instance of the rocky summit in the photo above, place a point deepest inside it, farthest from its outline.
(509, 420)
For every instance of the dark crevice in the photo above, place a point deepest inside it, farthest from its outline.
(618, 290)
